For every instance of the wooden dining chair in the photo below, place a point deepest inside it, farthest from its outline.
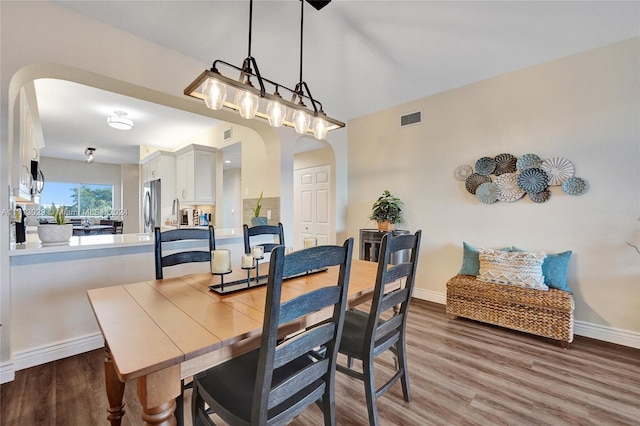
(186, 256)
(367, 335)
(276, 382)
(176, 258)
(251, 233)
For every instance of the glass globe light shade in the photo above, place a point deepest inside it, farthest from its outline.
(301, 121)
(247, 103)
(276, 112)
(320, 128)
(215, 93)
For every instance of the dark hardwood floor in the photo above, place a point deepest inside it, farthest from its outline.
(462, 373)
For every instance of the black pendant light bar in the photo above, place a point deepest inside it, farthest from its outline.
(250, 101)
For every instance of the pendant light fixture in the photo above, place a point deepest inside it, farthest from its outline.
(218, 91)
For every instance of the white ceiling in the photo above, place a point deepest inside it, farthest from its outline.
(359, 56)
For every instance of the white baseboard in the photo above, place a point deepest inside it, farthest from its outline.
(608, 334)
(42, 355)
(580, 328)
(430, 296)
(7, 372)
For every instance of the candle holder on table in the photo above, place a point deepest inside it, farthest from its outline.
(258, 254)
(248, 265)
(221, 264)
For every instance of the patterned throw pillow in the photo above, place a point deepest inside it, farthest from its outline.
(522, 269)
(471, 259)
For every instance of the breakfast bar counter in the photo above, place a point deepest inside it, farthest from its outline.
(50, 316)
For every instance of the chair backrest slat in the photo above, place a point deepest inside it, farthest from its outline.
(185, 256)
(394, 298)
(397, 272)
(300, 345)
(310, 302)
(255, 231)
(389, 326)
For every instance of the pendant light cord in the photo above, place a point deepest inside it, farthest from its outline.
(250, 26)
(301, 33)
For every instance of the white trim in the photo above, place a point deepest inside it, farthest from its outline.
(7, 373)
(430, 296)
(56, 351)
(580, 328)
(608, 334)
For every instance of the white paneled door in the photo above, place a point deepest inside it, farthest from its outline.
(312, 198)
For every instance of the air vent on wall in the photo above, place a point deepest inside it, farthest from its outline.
(227, 135)
(411, 119)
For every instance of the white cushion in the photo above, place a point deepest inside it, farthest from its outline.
(522, 269)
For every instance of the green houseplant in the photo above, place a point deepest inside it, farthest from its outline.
(57, 233)
(387, 211)
(257, 219)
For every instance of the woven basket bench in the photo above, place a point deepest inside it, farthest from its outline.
(539, 312)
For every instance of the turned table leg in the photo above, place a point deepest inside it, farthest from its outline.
(157, 392)
(115, 390)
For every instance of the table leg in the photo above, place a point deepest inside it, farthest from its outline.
(157, 393)
(115, 390)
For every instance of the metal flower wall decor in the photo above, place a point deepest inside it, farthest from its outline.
(508, 178)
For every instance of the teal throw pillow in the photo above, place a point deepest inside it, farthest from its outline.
(471, 259)
(554, 269)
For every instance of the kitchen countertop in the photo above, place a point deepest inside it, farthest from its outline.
(94, 242)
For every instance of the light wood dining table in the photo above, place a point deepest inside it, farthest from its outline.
(160, 332)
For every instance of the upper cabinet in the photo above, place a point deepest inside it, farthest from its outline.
(29, 138)
(161, 165)
(196, 174)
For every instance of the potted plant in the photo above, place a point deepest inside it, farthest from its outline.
(387, 211)
(56, 233)
(257, 219)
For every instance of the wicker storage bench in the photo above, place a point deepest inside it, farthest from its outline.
(544, 313)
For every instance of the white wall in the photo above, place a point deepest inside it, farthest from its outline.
(585, 108)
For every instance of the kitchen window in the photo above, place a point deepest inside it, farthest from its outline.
(79, 199)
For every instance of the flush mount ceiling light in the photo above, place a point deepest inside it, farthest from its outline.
(240, 95)
(89, 153)
(120, 121)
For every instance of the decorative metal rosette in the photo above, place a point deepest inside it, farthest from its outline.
(474, 181)
(509, 188)
(533, 180)
(485, 166)
(488, 192)
(463, 171)
(528, 161)
(574, 186)
(505, 163)
(540, 197)
(558, 169)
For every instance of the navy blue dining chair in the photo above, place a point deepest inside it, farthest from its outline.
(367, 335)
(277, 381)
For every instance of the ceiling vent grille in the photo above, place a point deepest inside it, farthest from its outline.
(227, 135)
(411, 119)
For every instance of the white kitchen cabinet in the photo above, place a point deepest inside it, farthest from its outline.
(29, 139)
(161, 165)
(196, 175)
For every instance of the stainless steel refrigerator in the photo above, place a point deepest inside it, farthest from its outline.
(151, 205)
